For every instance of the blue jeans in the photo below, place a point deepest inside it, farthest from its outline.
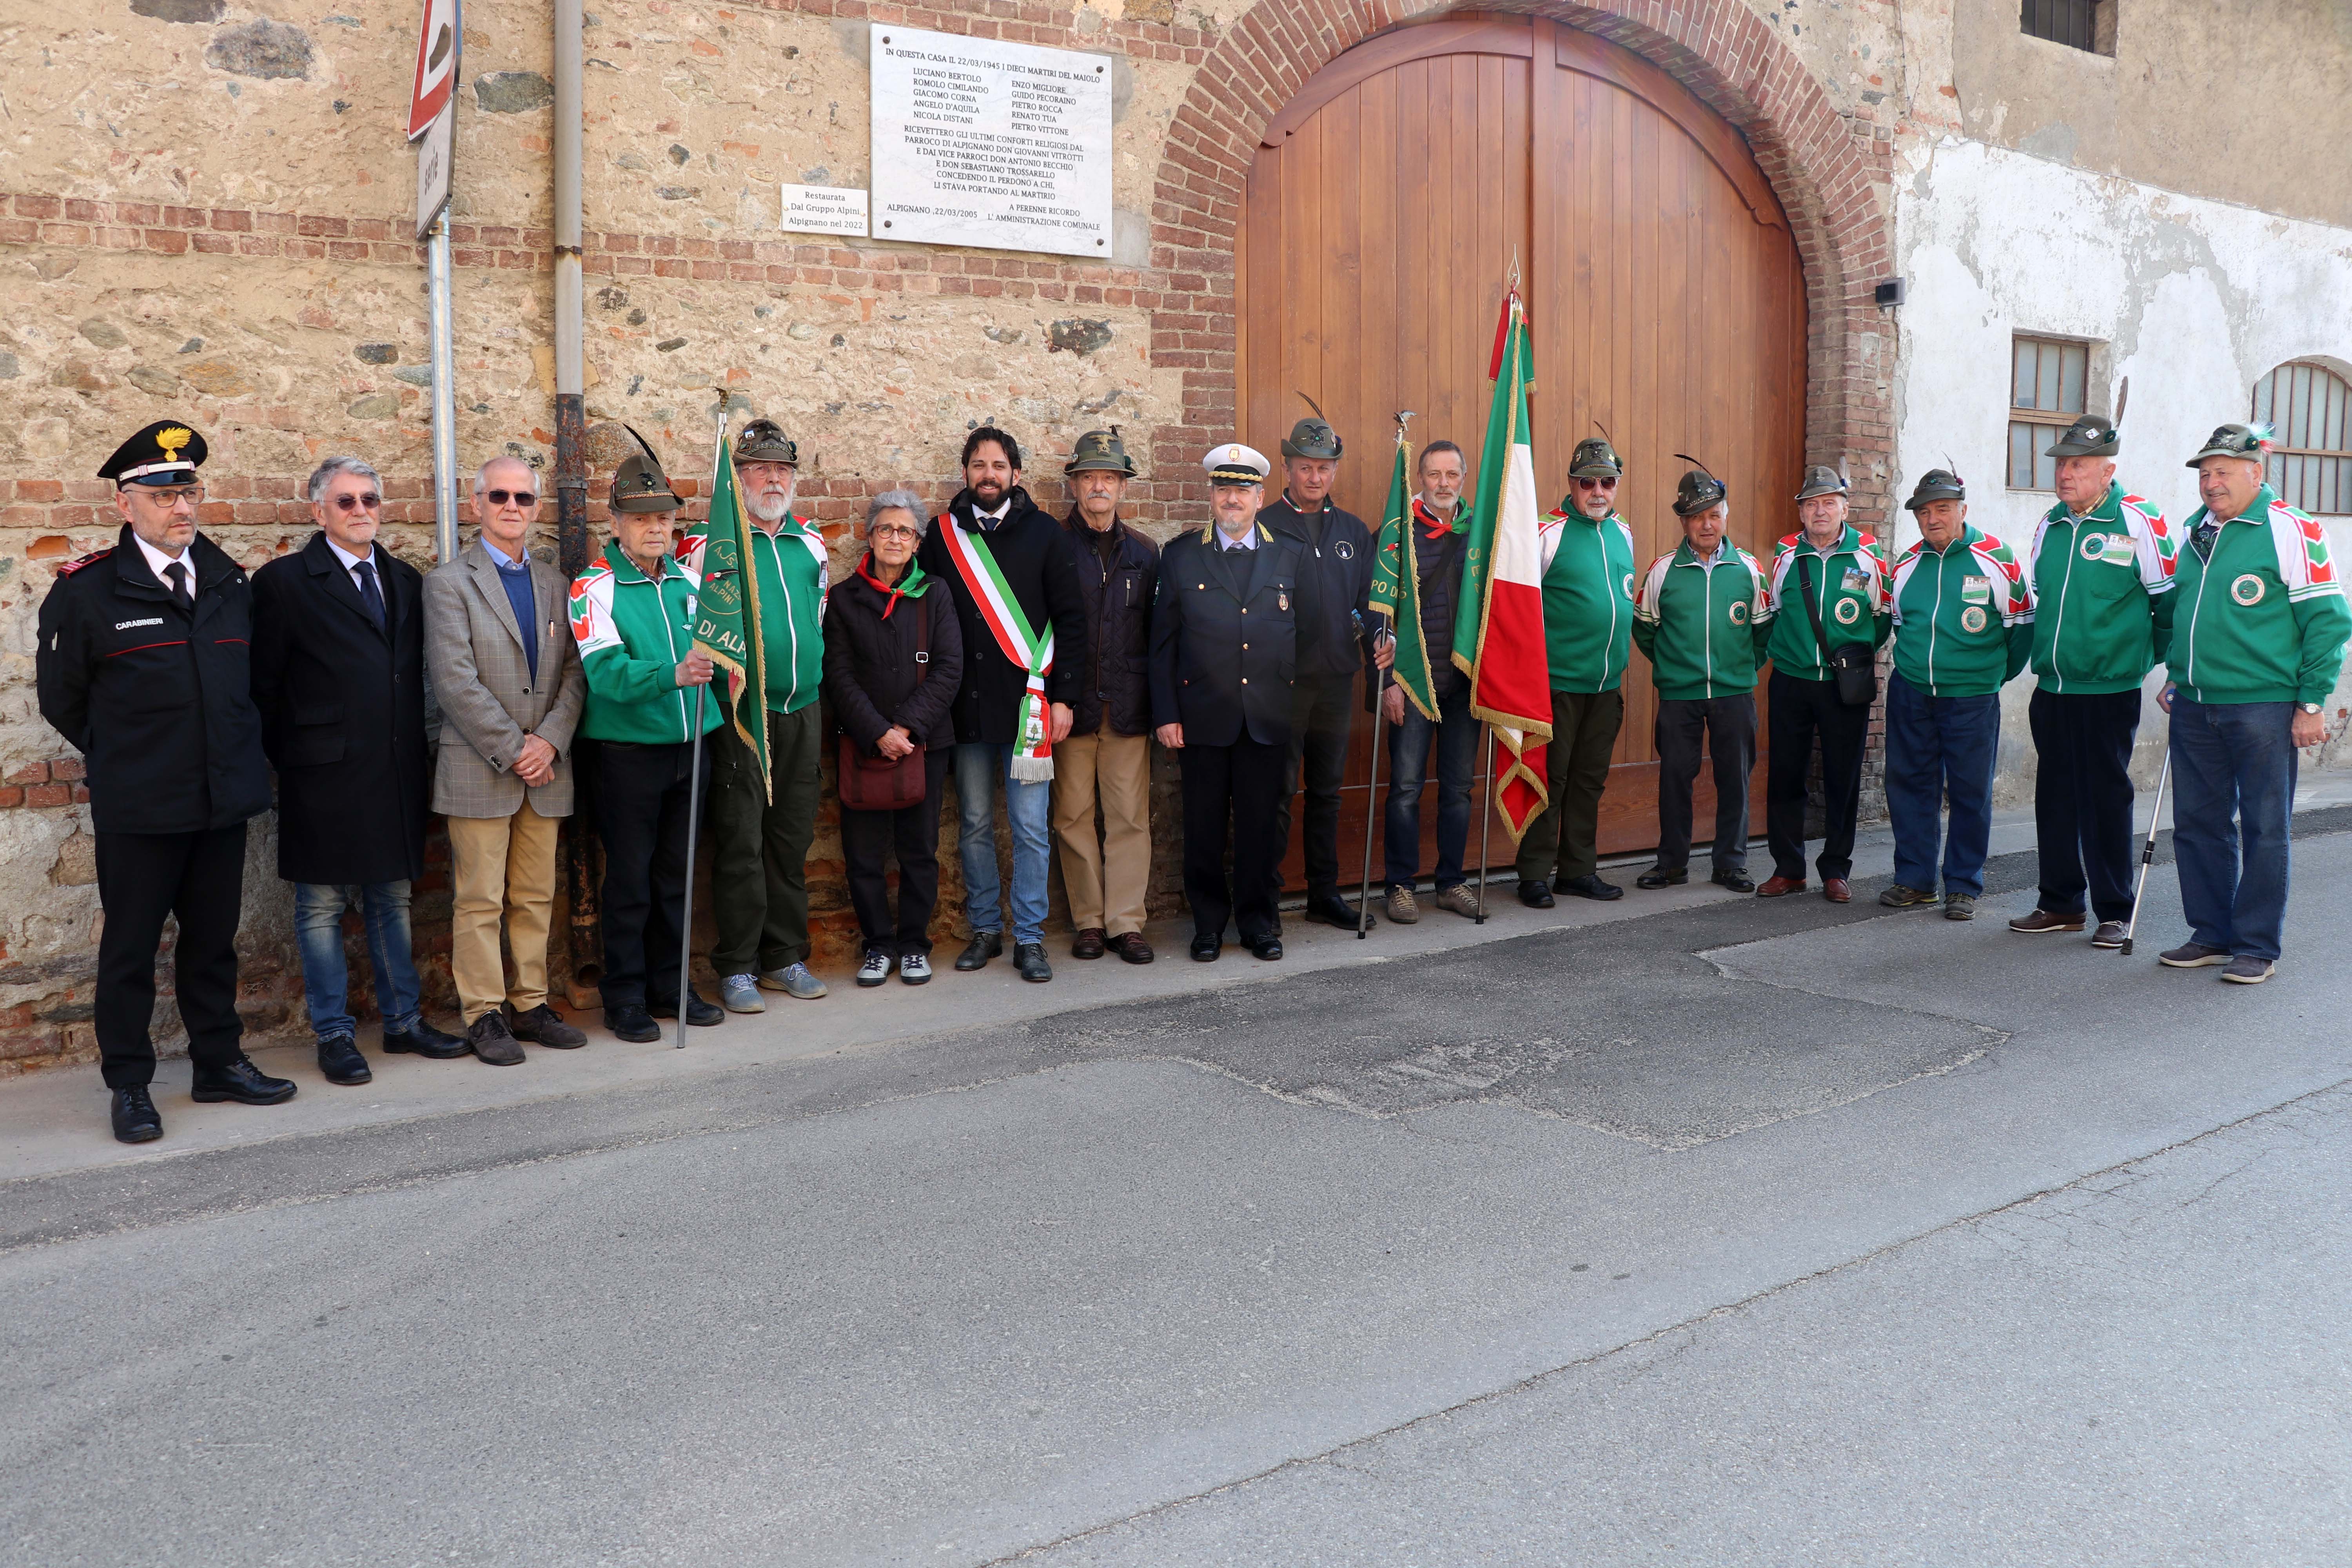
(1455, 737)
(326, 983)
(2233, 760)
(981, 770)
(1940, 749)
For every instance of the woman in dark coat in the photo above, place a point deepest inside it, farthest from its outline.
(893, 661)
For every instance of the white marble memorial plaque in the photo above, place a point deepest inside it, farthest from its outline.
(824, 209)
(981, 142)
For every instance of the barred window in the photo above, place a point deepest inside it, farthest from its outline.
(2087, 25)
(2311, 408)
(2046, 381)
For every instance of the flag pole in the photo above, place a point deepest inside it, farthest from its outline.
(1485, 827)
(694, 790)
(1372, 797)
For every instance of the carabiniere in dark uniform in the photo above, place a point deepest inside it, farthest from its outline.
(145, 667)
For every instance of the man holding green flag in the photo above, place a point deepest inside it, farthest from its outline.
(767, 635)
(1417, 583)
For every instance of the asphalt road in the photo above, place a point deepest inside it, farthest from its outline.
(1745, 1233)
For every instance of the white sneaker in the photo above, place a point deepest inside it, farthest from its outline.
(915, 968)
(876, 969)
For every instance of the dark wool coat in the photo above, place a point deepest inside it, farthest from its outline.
(1116, 576)
(870, 664)
(1042, 569)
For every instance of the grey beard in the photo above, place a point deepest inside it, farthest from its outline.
(774, 511)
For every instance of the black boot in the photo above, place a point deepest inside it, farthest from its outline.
(242, 1081)
(1658, 877)
(339, 1060)
(1331, 910)
(1591, 888)
(983, 946)
(631, 1023)
(1534, 894)
(422, 1040)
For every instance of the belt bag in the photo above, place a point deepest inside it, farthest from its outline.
(879, 783)
(1852, 664)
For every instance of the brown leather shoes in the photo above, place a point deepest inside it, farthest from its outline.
(1131, 947)
(2041, 923)
(1088, 944)
(1834, 889)
(1780, 887)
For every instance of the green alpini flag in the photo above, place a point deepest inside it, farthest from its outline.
(1396, 587)
(727, 615)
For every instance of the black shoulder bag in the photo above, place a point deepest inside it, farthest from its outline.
(1853, 665)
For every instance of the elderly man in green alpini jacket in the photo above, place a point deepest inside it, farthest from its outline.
(2259, 625)
(1701, 618)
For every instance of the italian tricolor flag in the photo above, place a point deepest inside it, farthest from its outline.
(1499, 633)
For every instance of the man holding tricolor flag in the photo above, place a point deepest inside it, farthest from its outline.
(1014, 573)
(1417, 583)
(1499, 633)
(765, 574)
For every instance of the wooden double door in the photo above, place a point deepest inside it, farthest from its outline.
(1386, 209)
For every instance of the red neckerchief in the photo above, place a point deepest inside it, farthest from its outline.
(1432, 528)
(894, 591)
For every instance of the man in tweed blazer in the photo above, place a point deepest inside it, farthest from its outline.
(498, 645)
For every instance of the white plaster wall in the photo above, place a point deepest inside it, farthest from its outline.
(2193, 299)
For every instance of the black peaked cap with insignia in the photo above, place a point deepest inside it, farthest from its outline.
(1100, 451)
(1595, 459)
(1936, 484)
(640, 485)
(165, 453)
(764, 441)
(2092, 435)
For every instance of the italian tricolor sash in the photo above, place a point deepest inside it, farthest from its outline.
(1032, 752)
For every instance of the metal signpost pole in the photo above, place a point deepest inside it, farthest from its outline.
(445, 394)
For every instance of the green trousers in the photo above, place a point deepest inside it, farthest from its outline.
(759, 878)
(1566, 834)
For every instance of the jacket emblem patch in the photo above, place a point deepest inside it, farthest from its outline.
(1344, 550)
(1738, 612)
(2247, 589)
(1848, 611)
(143, 621)
(1972, 619)
(1282, 599)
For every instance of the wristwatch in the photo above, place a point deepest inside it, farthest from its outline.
(2307, 708)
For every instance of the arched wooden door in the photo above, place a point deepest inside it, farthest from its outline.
(1385, 209)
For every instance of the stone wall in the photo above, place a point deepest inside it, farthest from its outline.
(205, 216)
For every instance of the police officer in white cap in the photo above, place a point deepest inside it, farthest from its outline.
(1225, 640)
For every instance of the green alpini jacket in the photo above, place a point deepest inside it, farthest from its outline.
(1588, 599)
(1853, 590)
(2264, 620)
(793, 573)
(1964, 618)
(632, 633)
(1703, 624)
(2101, 622)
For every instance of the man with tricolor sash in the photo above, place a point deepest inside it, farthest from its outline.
(1586, 552)
(1416, 583)
(768, 568)
(1013, 573)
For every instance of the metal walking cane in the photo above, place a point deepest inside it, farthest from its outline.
(1485, 827)
(685, 904)
(2148, 851)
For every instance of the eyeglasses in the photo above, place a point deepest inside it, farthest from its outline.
(370, 501)
(894, 530)
(521, 497)
(170, 499)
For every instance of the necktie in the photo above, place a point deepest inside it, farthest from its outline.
(2201, 537)
(368, 594)
(178, 572)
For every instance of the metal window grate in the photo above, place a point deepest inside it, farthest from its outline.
(2074, 23)
(2311, 408)
(2047, 379)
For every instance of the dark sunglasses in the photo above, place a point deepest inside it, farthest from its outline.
(354, 503)
(521, 497)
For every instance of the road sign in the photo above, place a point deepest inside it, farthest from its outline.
(437, 48)
(433, 169)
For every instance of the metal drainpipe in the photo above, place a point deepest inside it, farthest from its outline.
(571, 457)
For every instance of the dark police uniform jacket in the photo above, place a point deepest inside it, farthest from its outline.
(158, 701)
(1334, 578)
(1224, 639)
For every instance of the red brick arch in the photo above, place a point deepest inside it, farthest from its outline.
(1827, 173)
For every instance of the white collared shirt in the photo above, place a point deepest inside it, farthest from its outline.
(351, 564)
(157, 561)
(1003, 507)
